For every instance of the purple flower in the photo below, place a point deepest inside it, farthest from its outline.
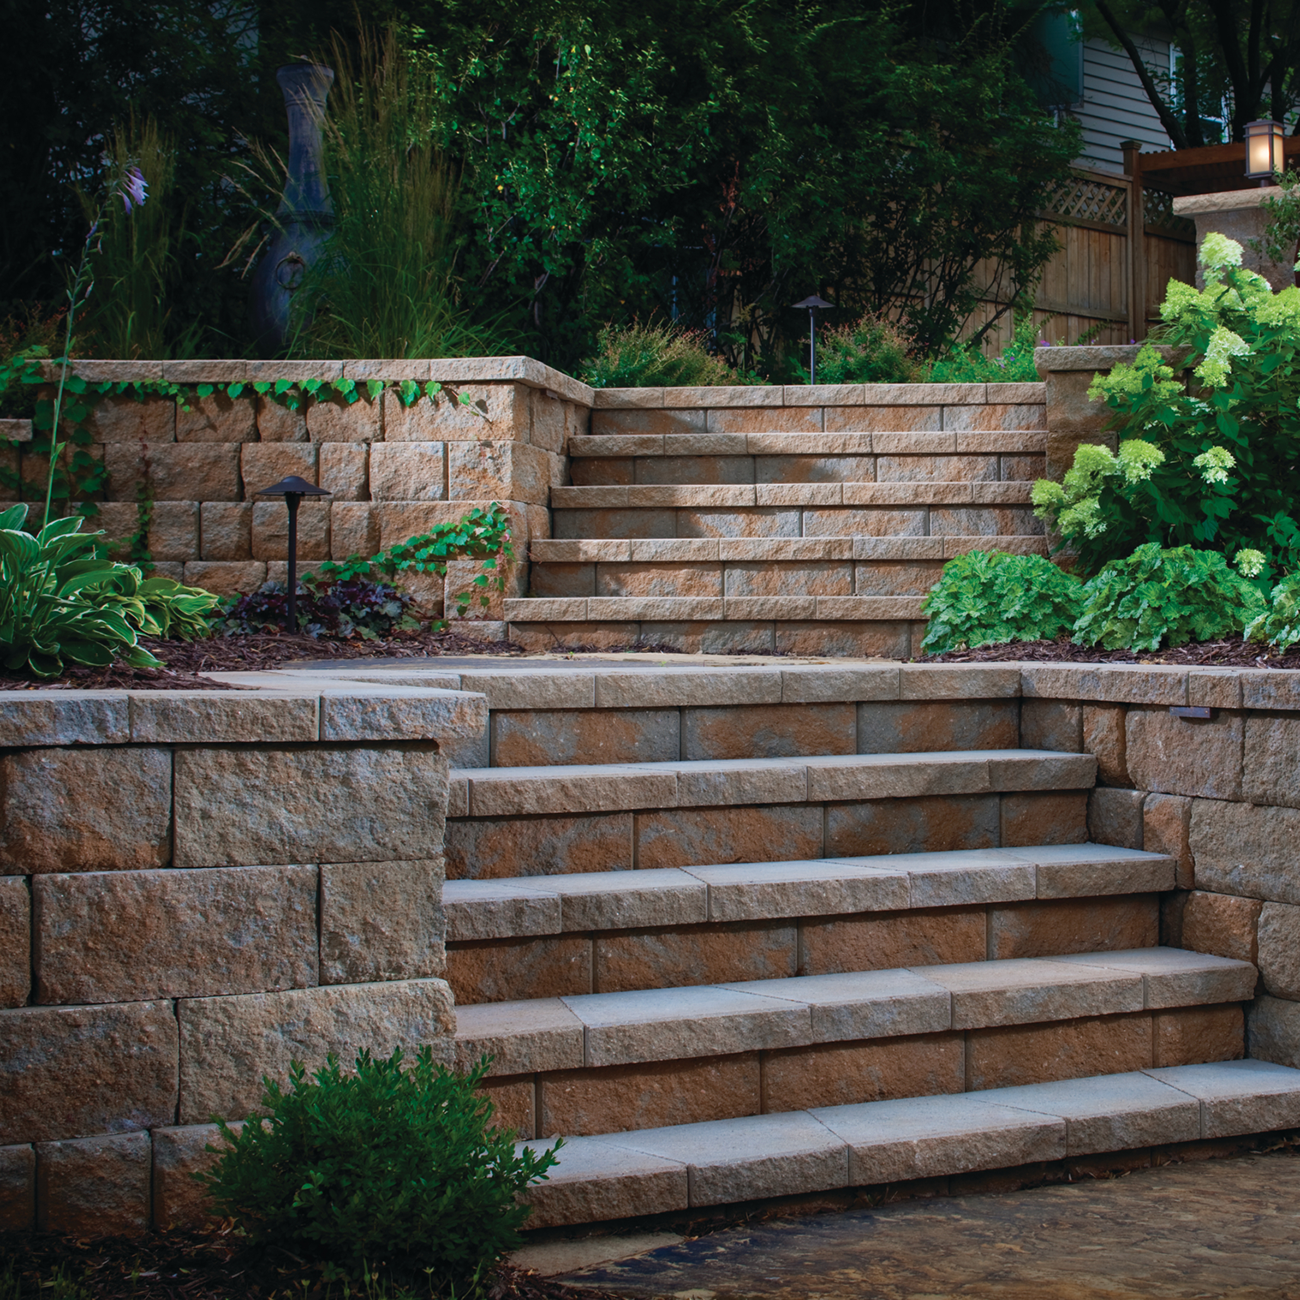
(133, 191)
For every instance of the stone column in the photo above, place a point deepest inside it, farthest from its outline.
(1240, 215)
(1071, 417)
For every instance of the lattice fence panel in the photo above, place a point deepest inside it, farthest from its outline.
(1158, 214)
(1084, 199)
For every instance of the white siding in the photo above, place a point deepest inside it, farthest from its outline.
(1115, 107)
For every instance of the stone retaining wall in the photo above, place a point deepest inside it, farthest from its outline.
(195, 888)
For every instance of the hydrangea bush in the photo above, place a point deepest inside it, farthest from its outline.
(1214, 463)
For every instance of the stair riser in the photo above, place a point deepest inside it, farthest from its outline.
(755, 578)
(1018, 466)
(564, 965)
(499, 847)
(623, 1098)
(920, 520)
(521, 738)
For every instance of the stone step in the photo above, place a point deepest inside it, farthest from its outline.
(1029, 441)
(763, 550)
(661, 1170)
(605, 932)
(732, 496)
(527, 821)
(712, 609)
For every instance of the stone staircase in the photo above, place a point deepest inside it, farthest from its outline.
(758, 931)
(803, 543)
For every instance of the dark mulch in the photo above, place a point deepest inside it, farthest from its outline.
(217, 1265)
(187, 660)
(1230, 652)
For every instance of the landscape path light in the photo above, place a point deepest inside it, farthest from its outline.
(1264, 150)
(293, 489)
(813, 303)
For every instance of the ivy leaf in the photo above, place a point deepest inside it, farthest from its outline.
(206, 390)
(374, 387)
(234, 390)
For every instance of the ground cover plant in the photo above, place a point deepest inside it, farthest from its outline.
(655, 356)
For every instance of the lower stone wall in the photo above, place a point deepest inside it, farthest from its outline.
(195, 889)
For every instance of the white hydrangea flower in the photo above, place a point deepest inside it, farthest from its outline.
(1218, 252)
(1250, 564)
(1217, 365)
(1215, 464)
(1137, 459)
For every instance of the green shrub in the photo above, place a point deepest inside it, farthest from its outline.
(655, 356)
(1220, 462)
(873, 350)
(989, 597)
(1160, 597)
(340, 608)
(970, 365)
(389, 1170)
(1279, 624)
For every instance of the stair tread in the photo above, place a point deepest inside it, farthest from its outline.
(577, 788)
(788, 550)
(594, 609)
(813, 445)
(746, 891)
(650, 1171)
(739, 496)
(605, 1029)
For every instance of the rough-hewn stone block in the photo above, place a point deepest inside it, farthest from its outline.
(671, 958)
(408, 471)
(684, 836)
(545, 966)
(324, 804)
(1053, 927)
(892, 941)
(88, 718)
(381, 921)
(17, 1188)
(264, 464)
(1272, 757)
(354, 530)
(1115, 816)
(543, 736)
(227, 1044)
(1013, 1055)
(97, 1186)
(187, 471)
(174, 533)
(277, 423)
(1244, 849)
(550, 420)
(1177, 756)
(503, 471)
(1193, 1035)
(1103, 736)
(226, 530)
(1166, 822)
(343, 470)
(271, 530)
(179, 1201)
(1273, 1031)
(1050, 817)
(1278, 952)
(919, 726)
(85, 810)
(122, 417)
(217, 418)
(932, 823)
(15, 941)
(71, 1071)
(1220, 924)
(337, 420)
(1051, 724)
(122, 935)
(499, 411)
(225, 577)
(772, 730)
(538, 846)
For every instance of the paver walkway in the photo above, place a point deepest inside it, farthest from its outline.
(1228, 1229)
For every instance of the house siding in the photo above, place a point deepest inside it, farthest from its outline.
(1114, 106)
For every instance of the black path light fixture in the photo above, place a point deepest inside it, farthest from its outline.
(812, 303)
(293, 489)
(1264, 145)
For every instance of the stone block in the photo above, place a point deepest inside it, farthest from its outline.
(652, 1095)
(217, 418)
(930, 823)
(740, 731)
(123, 417)
(1047, 928)
(1278, 954)
(523, 1037)
(1192, 1035)
(1103, 736)
(343, 470)
(271, 530)
(1239, 1097)
(179, 1201)
(503, 471)
(95, 1186)
(225, 577)
(263, 465)
(227, 1044)
(1176, 978)
(920, 726)
(116, 936)
(1115, 816)
(34, 470)
(497, 411)
(543, 736)
(545, 966)
(381, 921)
(1273, 1031)
(681, 837)
(85, 810)
(535, 846)
(1050, 817)
(1166, 822)
(174, 531)
(920, 938)
(408, 471)
(1221, 924)
(1245, 849)
(354, 530)
(513, 1104)
(212, 717)
(89, 718)
(671, 958)
(1272, 752)
(17, 1188)
(327, 803)
(277, 423)
(72, 1071)
(1014, 1055)
(337, 420)
(1180, 756)
(226, 530)
(186, 471)
(15, 941)
(551, 420)
(1051, 724)
(649, 422)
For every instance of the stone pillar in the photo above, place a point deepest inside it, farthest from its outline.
(1240, 215)
(1071, 417)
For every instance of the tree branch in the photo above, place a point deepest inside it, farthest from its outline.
(1170, 123)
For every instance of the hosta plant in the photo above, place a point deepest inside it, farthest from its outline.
(159, 607)
(1156, 598)
(989, 597)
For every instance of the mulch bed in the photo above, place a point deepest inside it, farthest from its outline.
(187, 661)
(216, 1265)
(1230, 652)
